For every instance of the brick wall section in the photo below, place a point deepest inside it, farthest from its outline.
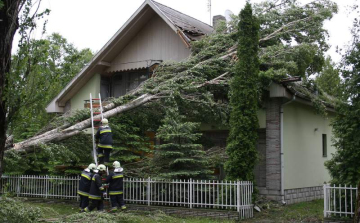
(273, 159)
(187, 212)
(303, 194)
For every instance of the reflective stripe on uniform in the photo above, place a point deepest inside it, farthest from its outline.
(105, 146)
(117, 176)
(101, 188)
(86, 176)
(94, 197)
(103, 131)
(115, 192)
(100, 155)
(83, 193)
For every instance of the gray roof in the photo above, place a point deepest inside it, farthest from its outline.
(190, 26)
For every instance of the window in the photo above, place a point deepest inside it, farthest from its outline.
(324, 145)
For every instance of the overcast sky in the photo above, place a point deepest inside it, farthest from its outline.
(91, 23)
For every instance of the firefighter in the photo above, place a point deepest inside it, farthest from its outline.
(104, 140)
(84, 186)
(97, 191)
(115, 181)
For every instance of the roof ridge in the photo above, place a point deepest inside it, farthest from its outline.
(180, 13)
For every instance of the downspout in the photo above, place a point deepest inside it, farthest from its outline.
(282, 147)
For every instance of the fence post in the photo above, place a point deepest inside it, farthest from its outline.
(238, 195)
(190, 193)
(47, 186)
(77, 184)
(325, 198)
(148, 191)
(17, 187)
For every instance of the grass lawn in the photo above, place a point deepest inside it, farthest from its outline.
(58, 210)
(311, 211)
(62, 211)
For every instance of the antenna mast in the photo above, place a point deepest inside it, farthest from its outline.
(209, 9)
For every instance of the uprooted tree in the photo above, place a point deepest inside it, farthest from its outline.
(202, 81)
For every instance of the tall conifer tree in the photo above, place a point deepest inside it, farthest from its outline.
(241, 147)
(179, 156)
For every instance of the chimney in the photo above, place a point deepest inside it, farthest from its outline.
(217, 19)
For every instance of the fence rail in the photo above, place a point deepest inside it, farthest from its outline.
(339, 200)
(231, 195)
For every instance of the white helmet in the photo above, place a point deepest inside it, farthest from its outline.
(116, 164)
(101, 167)
(92, 166)
(104, 121)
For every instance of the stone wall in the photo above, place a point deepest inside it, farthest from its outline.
(273, 159)
(303, 194)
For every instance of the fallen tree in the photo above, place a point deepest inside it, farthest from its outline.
(63, 132)
(210, 67)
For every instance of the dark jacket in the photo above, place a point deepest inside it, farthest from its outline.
(115, 181)
(85, 183)
(96, 188)
(104, 137)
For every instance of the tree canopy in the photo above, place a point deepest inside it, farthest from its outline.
(344, 165)
(40, 70)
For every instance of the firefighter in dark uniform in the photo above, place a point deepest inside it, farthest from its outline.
(115, 181)
(97, 191)
(84, 186)
(104, 139)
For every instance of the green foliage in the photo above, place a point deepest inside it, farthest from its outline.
(77, 116)
(69, 156)
(329, 79)
(40, 69)
(13, 211)
(344, 166)
(293, 37)
(64, 158)
(241, 147)
(301, 23)
(130, 140)
(179, 157)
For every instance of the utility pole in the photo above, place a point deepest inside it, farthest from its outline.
(209, 9)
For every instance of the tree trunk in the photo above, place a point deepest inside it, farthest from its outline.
(61, 133)
(8, 26)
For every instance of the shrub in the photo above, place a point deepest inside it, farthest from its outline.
(15, 211)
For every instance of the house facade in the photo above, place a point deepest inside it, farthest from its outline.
(293, 147)
(294, 141)
(154, 34)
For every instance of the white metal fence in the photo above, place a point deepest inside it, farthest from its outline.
(231, 195)
(339, 200)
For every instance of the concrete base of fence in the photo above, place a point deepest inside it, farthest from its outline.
(178, 211)
(334, 220)
(293, 196)
(303, 194)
